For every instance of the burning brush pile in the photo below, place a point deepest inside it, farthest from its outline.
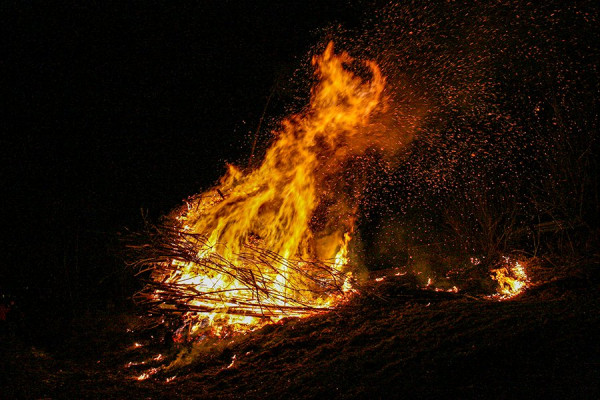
(273, 242)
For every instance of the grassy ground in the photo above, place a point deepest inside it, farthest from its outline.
(397, 342)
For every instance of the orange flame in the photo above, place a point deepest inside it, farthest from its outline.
(294, 205)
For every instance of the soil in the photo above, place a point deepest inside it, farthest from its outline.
(395, 341)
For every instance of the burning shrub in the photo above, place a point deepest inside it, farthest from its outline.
(273, 242)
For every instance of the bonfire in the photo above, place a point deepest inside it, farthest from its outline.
(273, 242)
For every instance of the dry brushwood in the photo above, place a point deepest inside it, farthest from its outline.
(264, 284)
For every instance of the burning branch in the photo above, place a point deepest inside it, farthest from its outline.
(254, 290)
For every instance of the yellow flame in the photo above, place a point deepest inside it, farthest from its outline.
(293, 204)
(512, 278)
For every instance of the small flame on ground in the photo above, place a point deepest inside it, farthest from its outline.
(143, 377)
(511, 277)
(134, 364)
(232, 362)
(147, 374)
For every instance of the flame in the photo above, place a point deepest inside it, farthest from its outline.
(512, 278)
(232, 363)
(274, 242)
(145, 375)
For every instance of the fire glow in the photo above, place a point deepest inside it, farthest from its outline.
(273, 242)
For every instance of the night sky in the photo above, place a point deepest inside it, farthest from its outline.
(112, 108)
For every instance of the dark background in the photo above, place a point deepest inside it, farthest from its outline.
(117, 107)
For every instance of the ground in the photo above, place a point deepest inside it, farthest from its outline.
(394, 341)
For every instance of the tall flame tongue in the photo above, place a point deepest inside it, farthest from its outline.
(272, 242)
